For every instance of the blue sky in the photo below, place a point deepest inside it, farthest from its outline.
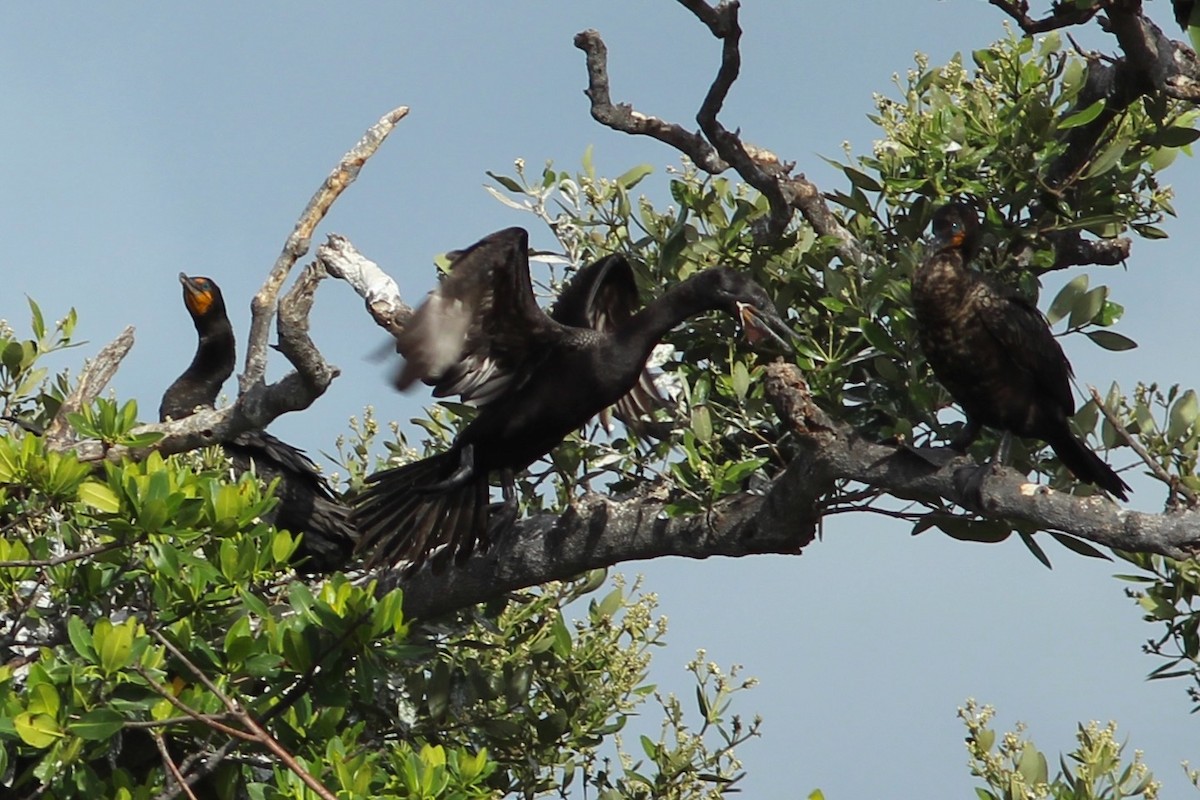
(141, 140)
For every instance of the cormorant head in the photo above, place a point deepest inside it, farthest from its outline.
(956, 227)
(746, 302)
(202, 297)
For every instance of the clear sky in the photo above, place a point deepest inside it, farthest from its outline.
(139, 140)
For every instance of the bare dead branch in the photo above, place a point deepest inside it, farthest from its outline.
(377, 289)
(723, 23)
(95, 377)
(294, 341)
(193, 775)
(624, 118)
(257, 404)
(1062, 15)
(724, 149)
(263, 305)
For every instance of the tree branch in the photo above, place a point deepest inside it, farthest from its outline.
(263, 305)
(723, 149)
(377, 289)
(600, 532)
(1062, 15)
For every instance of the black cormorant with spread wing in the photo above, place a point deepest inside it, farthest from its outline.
(306, 504)
(481, 335)
(993, 351)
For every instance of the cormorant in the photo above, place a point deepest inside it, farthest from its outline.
(481, 335)
(306, 504)
(993, 351)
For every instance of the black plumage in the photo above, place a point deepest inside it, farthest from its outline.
(481, 335)
(603, 296)
(306, 504)
(993, 351)
(1183, 12)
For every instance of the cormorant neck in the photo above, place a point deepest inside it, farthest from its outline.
(213, 363)
(682, 301)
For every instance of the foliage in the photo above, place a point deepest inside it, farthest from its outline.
(1014, 769)
(146, 607)
(149, 618)
(24, 392)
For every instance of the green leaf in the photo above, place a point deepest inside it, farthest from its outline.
(97, 725)
(1065, 299)
(1174, 137)
(1182, 415)
(1083, 117)
(702, 423)
(99, 496)
(1108, 159)
(741, 380)
(1036, 549)
(37, 730)
(632, 177)
(81, 638)
(1110, 340)
(114, 643)
(506, 182)
(862, 180)
(1087, 306)
(1078, 546)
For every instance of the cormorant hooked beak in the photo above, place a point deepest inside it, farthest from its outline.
(761, 324)
(197, 295)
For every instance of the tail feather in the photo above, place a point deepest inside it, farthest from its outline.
(400, 519)
(1087, 466)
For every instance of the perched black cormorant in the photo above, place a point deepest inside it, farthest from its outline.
(993, 351)
(306, 504)
(481, 335)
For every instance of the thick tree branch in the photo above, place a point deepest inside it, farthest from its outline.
(1165, 64)
(600, 532)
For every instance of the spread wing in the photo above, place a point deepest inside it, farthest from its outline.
(1021, 330)
(603, 296)
(481, 330)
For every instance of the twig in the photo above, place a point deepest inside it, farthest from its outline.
(1173, 483)
(169, 763)
(95, 377)
(73, 556)
(206, 719)
(259, 733)
(210, 764)
(263, 305)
